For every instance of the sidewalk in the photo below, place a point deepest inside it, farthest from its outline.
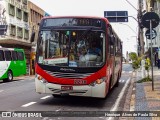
(143, 97)
(24, 77)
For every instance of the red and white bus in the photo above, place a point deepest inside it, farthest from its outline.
(77, 56)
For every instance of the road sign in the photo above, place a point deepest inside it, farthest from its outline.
(116, 16)
(150, 16)
(148, 36)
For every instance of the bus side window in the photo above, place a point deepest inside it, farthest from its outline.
(8, 55)
(20, 56)
(116, 45)
(14, 55)
(110, 41)
(118, 48)
(112, 45)
(1, 55)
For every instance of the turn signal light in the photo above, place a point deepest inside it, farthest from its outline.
(98, 81)
(40, 77)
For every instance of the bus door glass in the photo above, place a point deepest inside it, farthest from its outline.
(14, 64)
(8, 58)
(21, 63)
(3, 64)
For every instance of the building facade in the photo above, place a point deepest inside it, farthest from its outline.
(157, 39)
(35, 16)
(14, 14)
(154, 5)
(20, 18)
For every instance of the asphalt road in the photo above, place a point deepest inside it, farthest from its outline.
(21, 96)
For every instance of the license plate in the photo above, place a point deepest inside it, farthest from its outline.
(66, 87)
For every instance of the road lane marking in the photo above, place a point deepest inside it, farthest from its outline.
(101, 117)
(121, 81)
(133, 89)
(123, 71)
(1, 90)
(58, 110)
(115, 106)
(46, 118)
(28, 104)
(130, 71)
(45, 97)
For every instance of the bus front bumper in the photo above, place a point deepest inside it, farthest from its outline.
(98, 90)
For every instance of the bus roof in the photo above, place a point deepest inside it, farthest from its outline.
(96, 17)
(47, 17)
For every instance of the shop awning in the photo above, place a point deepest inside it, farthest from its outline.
(14, 42)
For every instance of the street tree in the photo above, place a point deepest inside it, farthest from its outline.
(135, 60)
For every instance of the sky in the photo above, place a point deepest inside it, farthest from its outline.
(127, 31)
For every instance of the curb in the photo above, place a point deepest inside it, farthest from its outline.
(24, 77)
(132, 102)
(130, 98)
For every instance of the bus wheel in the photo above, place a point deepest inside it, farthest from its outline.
(10, 76)
(117, 83)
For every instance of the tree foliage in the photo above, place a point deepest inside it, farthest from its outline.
(133, 56)
(136, 61)
(147, 66)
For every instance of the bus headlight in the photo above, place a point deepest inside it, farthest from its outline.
(98, 81)
(40, 78)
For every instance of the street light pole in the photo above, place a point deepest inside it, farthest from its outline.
(140, 29)
(151, 55)
(132, 5)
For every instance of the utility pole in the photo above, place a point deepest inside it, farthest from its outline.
(140, 29)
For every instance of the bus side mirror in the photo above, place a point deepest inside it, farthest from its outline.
(32, 37)
(112, 40)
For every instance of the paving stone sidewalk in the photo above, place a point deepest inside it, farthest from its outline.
(144, 98)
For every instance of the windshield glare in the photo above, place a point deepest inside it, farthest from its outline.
(79, 48)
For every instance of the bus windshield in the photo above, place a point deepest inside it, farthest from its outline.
(71, 48)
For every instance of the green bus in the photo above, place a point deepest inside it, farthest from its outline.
(12, 63)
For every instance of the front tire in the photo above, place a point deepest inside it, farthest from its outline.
(117, 83)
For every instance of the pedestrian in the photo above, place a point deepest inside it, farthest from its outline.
(158, 63)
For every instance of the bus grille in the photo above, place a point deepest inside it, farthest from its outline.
(68, 75)
(58, 91)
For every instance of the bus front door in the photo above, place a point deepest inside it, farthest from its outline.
(3, 69)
